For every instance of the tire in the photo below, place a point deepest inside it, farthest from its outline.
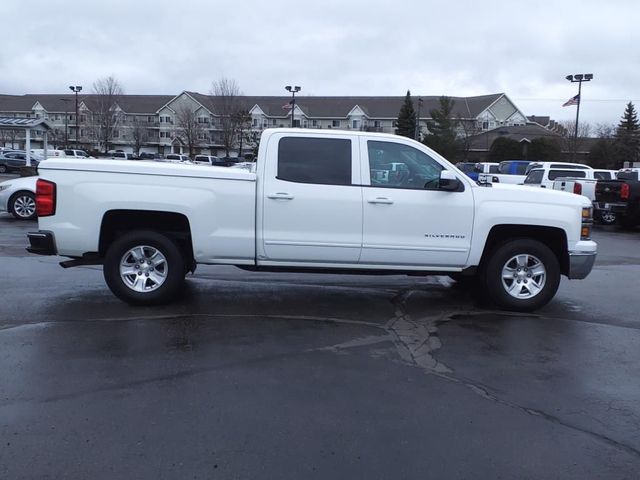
(4, 169)
(23, 205)
(522, 275)
(606, 217)
(144, 268)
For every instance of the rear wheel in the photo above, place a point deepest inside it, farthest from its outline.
(23, 205)
(3, 169)
(144, 268)
(522, 275)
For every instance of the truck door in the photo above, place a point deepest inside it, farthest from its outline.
(311, 201)
(407, 220)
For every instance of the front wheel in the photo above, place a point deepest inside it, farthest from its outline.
(144, 268)
(522, 275)
(3, 169)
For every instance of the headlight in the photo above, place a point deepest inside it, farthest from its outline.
(4, 187)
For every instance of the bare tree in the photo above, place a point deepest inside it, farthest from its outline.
(227, 103)
(466, 130)
(106, 117)
(139, 134)
(567, 136)
(189, 129)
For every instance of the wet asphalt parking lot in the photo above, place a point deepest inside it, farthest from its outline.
(255, 375)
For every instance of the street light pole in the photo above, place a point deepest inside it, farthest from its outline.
(578, 78)
(76, 89)
(416, 135)
(66, 122)
(293, 91)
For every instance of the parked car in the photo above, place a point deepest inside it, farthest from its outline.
(14, 161)
(17, 196)
(149, 156)
(176, 157)
(473, 170)
(122, 156)
(73, 153)
(216, 161)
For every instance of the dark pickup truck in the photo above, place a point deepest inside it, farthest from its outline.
(621, 197)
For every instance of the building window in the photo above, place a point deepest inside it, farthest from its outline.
(150, 119)
(325, 161)
(116, 134)
(335, 123)
(355, 124)
(254, 122)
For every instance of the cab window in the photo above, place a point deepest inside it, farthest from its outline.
(396, 165)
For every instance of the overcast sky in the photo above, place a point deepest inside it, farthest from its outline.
(333, 47)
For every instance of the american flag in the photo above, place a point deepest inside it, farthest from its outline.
(287, 106)
(572, 101)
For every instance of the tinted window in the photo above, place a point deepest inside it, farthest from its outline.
(315, 160)
(602, 175)
(521, 168)
(466, 167)
(553, 174)
(534, 177)
(493, 168)
(401, 166)
(627, 175)
(68, 152)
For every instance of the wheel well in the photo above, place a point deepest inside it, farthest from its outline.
(174, 225)
(14, 195)
(554, 238)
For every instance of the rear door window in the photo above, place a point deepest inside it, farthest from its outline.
(325, 161)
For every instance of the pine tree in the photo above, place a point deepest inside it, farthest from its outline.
(443, 137)
(628, 136)
(406, 123)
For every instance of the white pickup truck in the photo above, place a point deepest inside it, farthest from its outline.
(318, 201)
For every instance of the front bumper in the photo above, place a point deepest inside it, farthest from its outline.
(41, 243)
(580, 264)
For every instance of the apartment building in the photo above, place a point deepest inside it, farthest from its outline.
(155, 123)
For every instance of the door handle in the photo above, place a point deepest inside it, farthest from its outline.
(381, 200)
(280, 196)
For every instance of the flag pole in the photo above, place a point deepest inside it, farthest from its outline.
(577, 78)
(575, 133)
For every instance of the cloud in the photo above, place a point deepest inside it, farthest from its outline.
(333, 48)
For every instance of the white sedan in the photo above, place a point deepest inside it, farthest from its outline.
(18, 197)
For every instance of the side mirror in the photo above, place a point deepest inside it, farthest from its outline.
(448, 181)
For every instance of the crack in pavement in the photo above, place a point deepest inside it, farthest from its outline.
(417, 340)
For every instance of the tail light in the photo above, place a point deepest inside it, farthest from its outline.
(577, 188)
(45, 198)
(624, 191)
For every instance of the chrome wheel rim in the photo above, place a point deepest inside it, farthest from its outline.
(608, 217)
(143, 268)
(523, 276)
(24, 206)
